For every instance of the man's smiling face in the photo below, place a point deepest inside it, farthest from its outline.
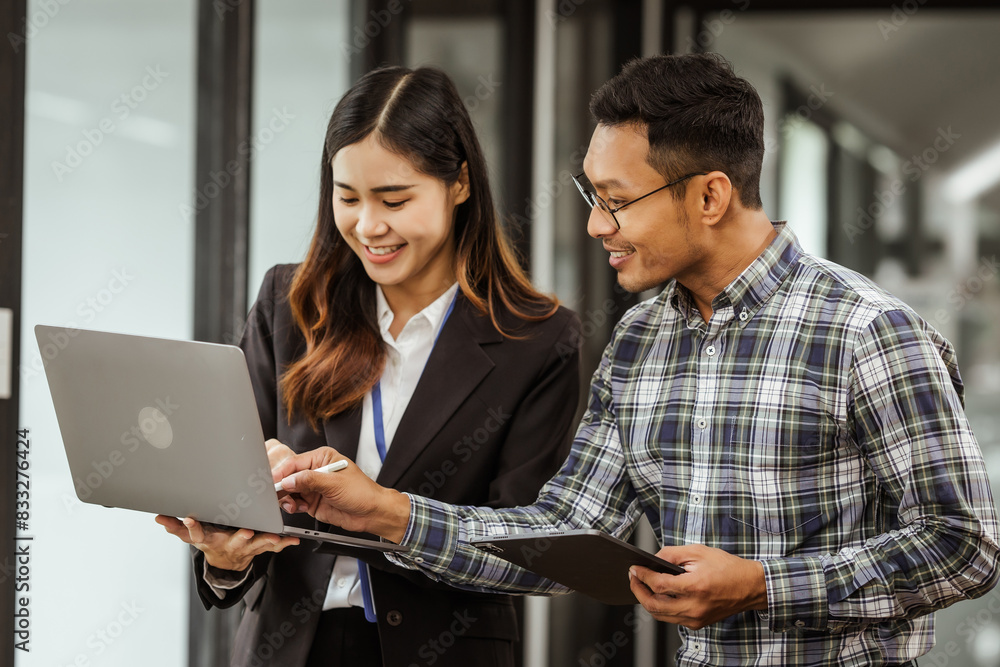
(657, 241)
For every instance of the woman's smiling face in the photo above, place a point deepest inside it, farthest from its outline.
(398, 220)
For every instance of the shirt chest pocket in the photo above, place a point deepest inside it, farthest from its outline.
(776, 489)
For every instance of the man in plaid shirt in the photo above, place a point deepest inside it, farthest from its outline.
(795, 434)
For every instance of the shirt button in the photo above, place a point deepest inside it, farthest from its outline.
(341, 582)
(710, 350)
(696, 499)
(418, 559)
(696, 647)
(394, 618)
(800, 624)
(744, 315)
(702, 423)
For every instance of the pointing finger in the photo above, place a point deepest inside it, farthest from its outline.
(308, 481)
(306, 461)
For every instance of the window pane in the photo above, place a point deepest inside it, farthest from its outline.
(108, 165)
(803, 184)
(300, 73)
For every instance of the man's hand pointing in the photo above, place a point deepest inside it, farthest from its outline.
(347, 498)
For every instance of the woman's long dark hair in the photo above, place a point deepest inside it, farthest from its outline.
(418, 115)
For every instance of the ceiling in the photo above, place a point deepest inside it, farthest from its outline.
(901, 78)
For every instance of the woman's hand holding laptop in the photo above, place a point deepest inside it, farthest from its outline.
(225, 549)
(277, 452)
(231, 549)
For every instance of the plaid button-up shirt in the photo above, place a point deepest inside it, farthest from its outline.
(815, 424)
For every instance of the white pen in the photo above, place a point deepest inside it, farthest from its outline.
(330, 467)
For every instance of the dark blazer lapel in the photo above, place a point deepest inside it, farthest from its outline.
(342, 432)
(455, 368)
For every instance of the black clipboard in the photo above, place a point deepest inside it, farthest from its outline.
(585, 560)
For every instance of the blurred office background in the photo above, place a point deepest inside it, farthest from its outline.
(883, 153)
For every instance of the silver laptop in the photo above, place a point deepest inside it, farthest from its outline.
(168, 427)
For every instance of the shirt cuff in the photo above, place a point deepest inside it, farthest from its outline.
(221, 581)
(431, 535)
(796, 594)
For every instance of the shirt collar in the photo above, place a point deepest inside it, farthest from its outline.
(754, 286)
(433, 314)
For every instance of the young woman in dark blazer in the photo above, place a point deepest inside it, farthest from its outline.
(411, 341)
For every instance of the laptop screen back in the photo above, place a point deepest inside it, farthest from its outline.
(161, 426)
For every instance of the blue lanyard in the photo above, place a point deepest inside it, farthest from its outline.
(366, 590)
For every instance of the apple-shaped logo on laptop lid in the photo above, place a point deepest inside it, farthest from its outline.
(155, 428)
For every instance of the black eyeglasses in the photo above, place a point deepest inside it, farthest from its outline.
(593, 200)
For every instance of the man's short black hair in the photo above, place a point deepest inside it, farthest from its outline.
(698, 115)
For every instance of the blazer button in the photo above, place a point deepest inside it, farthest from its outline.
(394, 618)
